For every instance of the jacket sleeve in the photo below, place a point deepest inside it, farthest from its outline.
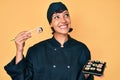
(19, 71)
(85, 56)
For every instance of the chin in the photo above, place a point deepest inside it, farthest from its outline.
(64, 33)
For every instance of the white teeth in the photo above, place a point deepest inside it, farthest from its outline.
(62, 27)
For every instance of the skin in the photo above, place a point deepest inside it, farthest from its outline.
(61, 23)
(20, 43)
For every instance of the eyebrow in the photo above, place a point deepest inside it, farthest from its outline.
(61, 12)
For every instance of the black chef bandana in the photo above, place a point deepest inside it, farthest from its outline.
(55, 7)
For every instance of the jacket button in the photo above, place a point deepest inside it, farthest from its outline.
(54, 66)
(68, 67)
(55, 49)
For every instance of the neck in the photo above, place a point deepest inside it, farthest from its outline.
(61, 38)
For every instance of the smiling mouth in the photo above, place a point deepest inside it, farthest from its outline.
(63, 26)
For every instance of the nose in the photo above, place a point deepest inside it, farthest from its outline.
(63, 19)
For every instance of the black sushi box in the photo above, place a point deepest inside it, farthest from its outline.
(94, 67)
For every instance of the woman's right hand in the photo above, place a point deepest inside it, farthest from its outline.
(20, 43)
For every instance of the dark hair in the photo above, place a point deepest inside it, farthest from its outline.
(55, 7)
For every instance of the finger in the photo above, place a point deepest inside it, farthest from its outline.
(22, 38)
(23, 34)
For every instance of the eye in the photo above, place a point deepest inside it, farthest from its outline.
(66, 15)
(56, 17)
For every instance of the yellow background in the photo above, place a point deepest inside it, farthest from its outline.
(95, 22)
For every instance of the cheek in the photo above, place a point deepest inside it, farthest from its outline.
(54, 23)
(68, 20)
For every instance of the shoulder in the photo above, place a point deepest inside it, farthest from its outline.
(37, 48)
(40, 44)
(83, 48)
(78, 43)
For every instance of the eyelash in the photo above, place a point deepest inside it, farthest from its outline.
(67, 15)
(57, 16)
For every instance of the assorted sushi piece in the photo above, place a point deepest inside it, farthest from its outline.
(94, 67)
